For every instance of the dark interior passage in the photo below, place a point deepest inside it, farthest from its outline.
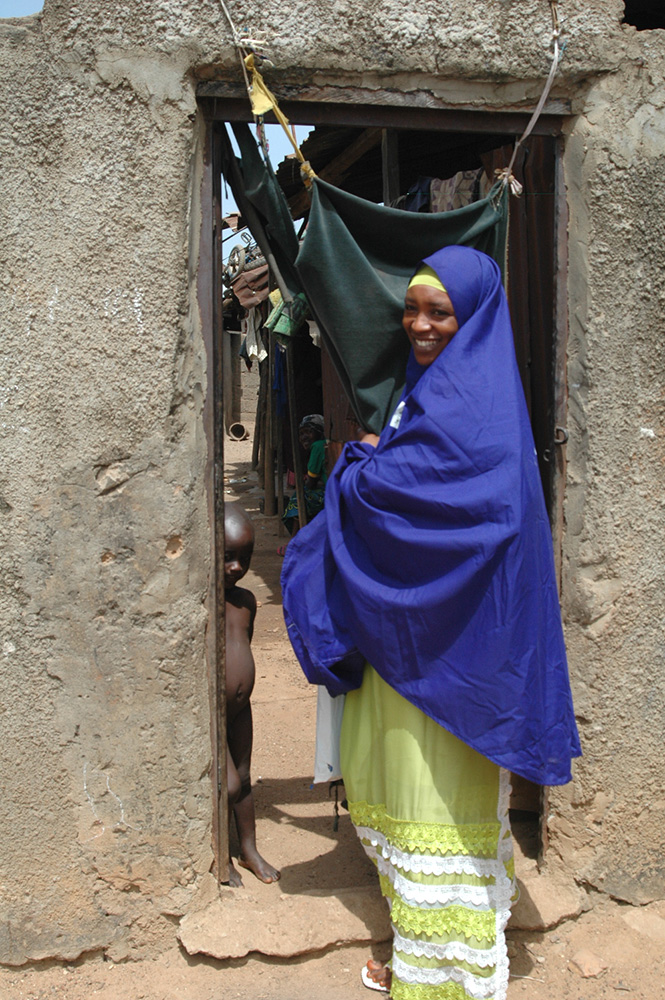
(645, 14)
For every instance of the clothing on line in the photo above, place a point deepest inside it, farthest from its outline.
(250, 326)
(351, 244)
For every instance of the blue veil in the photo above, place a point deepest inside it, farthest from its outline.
(432, 559)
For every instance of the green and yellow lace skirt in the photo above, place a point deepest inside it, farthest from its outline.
(433, 816)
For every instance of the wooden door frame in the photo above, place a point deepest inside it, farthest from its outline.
(219, 103)
(209, 295)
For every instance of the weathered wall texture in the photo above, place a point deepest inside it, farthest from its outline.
(104, 553)
(105, 749)
(611, 828)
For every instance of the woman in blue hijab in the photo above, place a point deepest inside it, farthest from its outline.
(432, 561)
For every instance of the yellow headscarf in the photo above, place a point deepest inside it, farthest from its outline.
(425, 275)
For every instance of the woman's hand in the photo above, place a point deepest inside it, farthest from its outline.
(368, 438)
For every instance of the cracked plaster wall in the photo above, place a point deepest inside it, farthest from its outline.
(103, 512)
(608, 825)
(104, 558)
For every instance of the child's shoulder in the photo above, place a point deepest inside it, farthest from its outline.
(241, 598)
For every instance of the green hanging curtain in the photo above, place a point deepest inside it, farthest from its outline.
(354, 265)
(261, 203)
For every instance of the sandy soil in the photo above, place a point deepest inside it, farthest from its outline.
(541, 970)
(621, 946)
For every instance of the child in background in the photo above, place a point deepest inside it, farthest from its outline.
(240, 615)
(312, 440)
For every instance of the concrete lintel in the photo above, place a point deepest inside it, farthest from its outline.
(292, 99)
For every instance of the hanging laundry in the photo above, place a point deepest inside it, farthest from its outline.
(286, 318)
(250, 326)
(455, 192)
(314, 332)
(417, 198)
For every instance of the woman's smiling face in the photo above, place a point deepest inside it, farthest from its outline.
(429, 321)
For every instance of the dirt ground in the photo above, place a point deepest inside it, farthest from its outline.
(620, 948)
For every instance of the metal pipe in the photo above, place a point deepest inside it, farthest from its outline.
(238, 431)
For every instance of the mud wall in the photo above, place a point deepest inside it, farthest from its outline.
(105, 750)
(104, 525)
(608, 825)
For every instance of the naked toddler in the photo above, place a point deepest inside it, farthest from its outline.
(240, 614)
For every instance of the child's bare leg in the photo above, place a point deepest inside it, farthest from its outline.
(234, 788)
(240, 747)
(249, 856)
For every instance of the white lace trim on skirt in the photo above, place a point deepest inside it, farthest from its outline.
(430, 864)
(452, 951)
(478, 987)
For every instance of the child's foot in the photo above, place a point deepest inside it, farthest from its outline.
(377, 976)
(235, 878)
(253, 862)
(281, 551)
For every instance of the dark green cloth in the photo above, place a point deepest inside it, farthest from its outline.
(261, 202)
(354, 265)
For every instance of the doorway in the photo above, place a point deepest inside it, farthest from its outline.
(387, 154)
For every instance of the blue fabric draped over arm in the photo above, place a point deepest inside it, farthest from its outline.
(433, 559)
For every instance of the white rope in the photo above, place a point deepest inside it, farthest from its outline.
(506, 175)
(236, 36)
(240, 44)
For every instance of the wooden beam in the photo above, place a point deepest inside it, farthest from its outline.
(390, 165)
(295, 439)
(217, 626)
(268, 448)
(335, 171)
(226, 100)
